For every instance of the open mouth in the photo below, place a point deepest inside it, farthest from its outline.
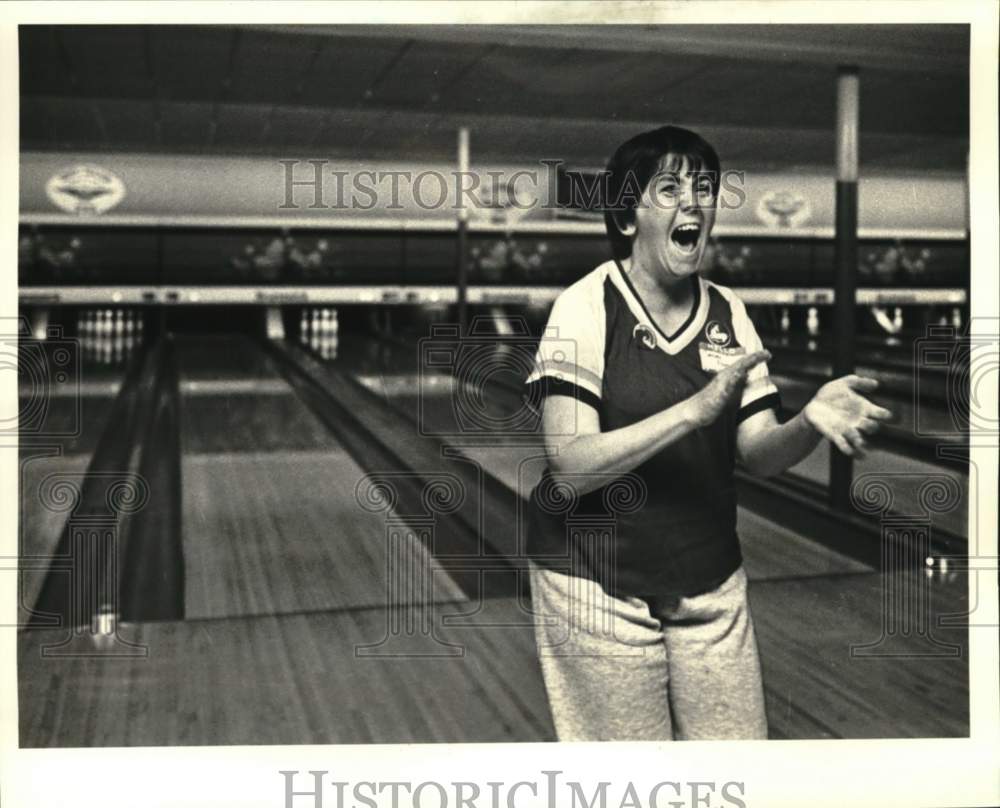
(686, 236)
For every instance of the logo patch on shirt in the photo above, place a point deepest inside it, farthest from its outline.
(717, 334)
(645, 335)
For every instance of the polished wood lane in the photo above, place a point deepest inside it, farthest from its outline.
(61, 426)
(285, 679)
(41, 523)
(904, 475)
(267, 533)
(270, 519)
(817, 689)
(771, 550)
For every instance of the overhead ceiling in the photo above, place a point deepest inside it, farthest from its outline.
(764, 95)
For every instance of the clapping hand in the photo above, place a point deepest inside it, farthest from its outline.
(843, 416)
(708, 403)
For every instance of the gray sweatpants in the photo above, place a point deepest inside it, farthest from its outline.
(624, 669)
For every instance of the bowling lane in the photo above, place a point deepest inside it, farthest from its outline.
(271, 525)
(288, 679)
(65, 398)
(904, 475)
(398, 385)
(270, 520)
(864, 656)
(770, 549)
(453, 406)
(915, 418)
(812, 604)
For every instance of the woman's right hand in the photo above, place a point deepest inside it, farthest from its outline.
(708, 403)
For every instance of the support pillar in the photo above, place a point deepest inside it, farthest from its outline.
(463, 228)
(845, 252)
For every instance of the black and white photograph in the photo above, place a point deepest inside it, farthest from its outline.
(440, 384)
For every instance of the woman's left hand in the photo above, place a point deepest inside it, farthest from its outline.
(841, 414)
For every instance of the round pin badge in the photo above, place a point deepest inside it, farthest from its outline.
(645, 335)
(717, 334)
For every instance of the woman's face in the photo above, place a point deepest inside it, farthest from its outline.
(674, 220)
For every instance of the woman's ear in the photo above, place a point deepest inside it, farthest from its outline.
(625, 226)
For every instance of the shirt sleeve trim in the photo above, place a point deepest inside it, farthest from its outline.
(541, 388)
(768, 402)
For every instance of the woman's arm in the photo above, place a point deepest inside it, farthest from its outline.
(576, 445)
(837, 412)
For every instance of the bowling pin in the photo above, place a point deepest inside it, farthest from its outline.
(897, 319)
(87, 332)
(103, 621)
(329, 347)
(785, 321)
(98, 333)
(812, 321)
(81, 320)
(956, 318)
(304, 326)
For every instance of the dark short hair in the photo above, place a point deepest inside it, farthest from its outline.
(635, 163)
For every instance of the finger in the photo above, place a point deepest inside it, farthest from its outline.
(857, 441)
(877, 412)
(745, 363)
(863, 384)
(843, 445)
(868, 426)
(751, 361)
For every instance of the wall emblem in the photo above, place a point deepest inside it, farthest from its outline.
(85, 190)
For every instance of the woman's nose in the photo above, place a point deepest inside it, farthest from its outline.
(688, 198)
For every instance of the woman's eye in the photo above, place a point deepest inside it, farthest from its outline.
(670, 190)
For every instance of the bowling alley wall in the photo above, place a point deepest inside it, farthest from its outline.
(223, 220)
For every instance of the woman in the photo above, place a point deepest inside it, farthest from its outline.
(654, 381)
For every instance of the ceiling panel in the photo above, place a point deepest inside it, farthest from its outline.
(36, 126)
(191, 64)
(187, 125)
(741, 149)
(424, 70)
(73, 122)
(733, 92)
(921, 103)
(106, 56)
(270, 68)
(346, 68)
(913, 151)
(133, 123)
(291, 127)
(42, 70)
(525, 93)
